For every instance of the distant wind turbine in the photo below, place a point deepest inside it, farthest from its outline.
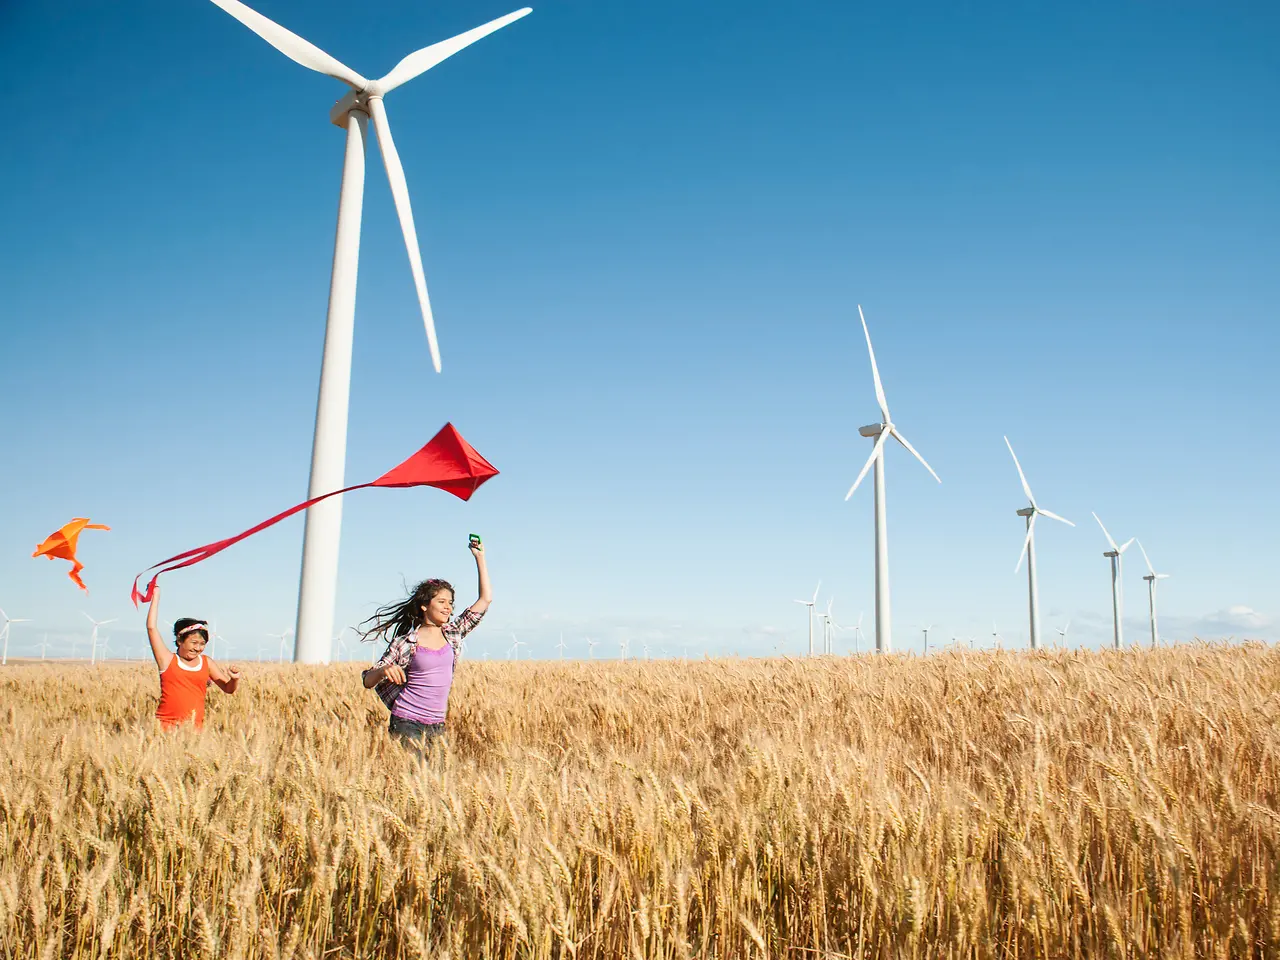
(1152, 579)
(1029, 547)
(882, 431)
(810, 604)
(624, 645)
(560, 645)
(281, 637)
(44, 644)
(4, 633)
(857, 631)
(515, 646)
(826, 628)
(591, 648)
(1062, 634)
(93, 636)
(1116, 555)
(995, 636)
(926, 638)
(646, 651)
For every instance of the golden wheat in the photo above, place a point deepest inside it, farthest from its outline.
(995, 805)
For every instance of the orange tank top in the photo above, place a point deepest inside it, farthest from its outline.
(182, 690)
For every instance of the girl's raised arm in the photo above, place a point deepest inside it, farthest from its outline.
(482, 572)
(164, 656)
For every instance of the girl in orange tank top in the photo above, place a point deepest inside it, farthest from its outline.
(185, 672)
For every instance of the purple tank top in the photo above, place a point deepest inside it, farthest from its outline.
(425, 698)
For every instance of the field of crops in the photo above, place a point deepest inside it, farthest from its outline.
(966, 805)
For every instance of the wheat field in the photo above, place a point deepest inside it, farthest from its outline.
(1064, 804)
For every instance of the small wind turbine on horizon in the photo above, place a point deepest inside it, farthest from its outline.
(810, 604)
(882, 431)
(591, 648)
(352, 113)
(1116, 555)
(624, 645)
(516, 644)
(281, 637)
(1152, 579)
(93, 636)
(1062, 634)
(826, 628)
(857, 631)
(44, 644)
(560, 645)
(926, 638)
(4, 633)
(1029, 547)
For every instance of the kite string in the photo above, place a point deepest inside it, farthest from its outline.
(189, 557)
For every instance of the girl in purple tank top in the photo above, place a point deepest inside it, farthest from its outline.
(424, 640)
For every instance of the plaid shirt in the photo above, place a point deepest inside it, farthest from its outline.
(400, 652)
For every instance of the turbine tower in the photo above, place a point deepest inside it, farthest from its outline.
(1152, 579)
(591, 648)
(1116, 555)
(1029, 547)
(318, 582)
(93, 636)
(810, 604)
(926, 638)
(4, 634)
(882, 431)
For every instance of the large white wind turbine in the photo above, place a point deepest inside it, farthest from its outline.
(882, 431)
(1029, 547)
(362, 102)
(1116, 555)
(1152, 579)
(4, 634)
(93, 636)
(810, 604)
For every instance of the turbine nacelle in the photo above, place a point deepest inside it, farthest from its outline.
(874, 429)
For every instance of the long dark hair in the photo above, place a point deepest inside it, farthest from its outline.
(404, 616)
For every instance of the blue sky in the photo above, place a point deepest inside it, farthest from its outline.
(646, 228)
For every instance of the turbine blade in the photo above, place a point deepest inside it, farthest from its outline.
(875, 452)
(1146, 559)
(1107, 535)
(292, 45)
(903, 440)
(1026, 487)
(423, 60)
(815, 592)
(875, 371)
(1159, 576)
(1054, 516)
(400, 192)
(1127, 544)
(1026, 544)
(89, 618)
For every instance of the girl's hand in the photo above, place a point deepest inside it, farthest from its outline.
(233, 673)
(394, 673)
(476, 548)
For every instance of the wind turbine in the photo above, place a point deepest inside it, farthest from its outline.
(1062, 634)
(624, 645)
(882, 431)
(93, 636)
(591, 648)
(1152, 579)
(646, 651)
(1116, 554)
(995, 636)
(560, 645)
(810, 605)
(282, 637)
(352, 113)
(1029, 547)
(826, 629)
(857, 630)
(4, 633)
(926, 638)
(44, 644)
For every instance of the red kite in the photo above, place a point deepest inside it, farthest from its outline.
(61, 545)
(447, 462)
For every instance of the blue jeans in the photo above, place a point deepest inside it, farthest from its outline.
(411, 733)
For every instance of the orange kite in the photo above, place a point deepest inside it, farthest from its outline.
(61, 545)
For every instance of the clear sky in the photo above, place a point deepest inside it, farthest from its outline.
(646, 228)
